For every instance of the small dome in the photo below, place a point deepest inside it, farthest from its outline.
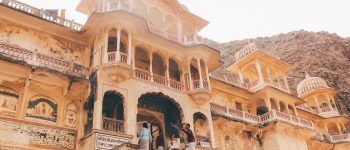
(310, 84)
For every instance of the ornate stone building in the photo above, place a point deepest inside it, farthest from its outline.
(69, 86)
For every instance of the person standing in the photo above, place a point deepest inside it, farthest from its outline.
(160, 142)
(191, 145)
(175, 136)
(145, 137)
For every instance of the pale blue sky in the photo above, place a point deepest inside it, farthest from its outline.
(241, 19)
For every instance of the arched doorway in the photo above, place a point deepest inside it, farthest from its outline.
(113, 112)
(158, 110)
(261, 110)
(201, 129)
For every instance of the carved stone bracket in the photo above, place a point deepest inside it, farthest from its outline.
(118, 72)
(200, 96)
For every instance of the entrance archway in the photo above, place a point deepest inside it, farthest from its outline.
(158, 110)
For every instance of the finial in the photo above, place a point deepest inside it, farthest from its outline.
(307, 75)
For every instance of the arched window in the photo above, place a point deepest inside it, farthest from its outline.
(8, 101)
(42, 108)
(174, 72)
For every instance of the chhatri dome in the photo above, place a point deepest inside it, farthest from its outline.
(310, 84)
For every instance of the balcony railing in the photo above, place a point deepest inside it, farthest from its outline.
(36, 59)
(255, 85)
(42, 14)
(275, 115)
(249, 49)
(117, 57)
(202, 141)
(339, 138)
(197, 85)
(325, 109)
(113, 125)
(262, 119)
(158, 79)
(234, 114)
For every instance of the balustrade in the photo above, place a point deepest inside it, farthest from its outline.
(40, 13)
(113, 125)
(325, 109)
(159, 79)
(118, 57)
(37, 59)
(262, 119)
(340, 138)
(203, 141)
(252, 86)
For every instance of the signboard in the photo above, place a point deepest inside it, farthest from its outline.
(107, 142)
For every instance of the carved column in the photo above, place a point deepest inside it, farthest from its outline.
(150, 65)
(241, 77)
(316, 101)
(167, 74)
(118, 45)
(129, 48)
(258, 67)
(98, 104)
(200, 73)
(190, 76)
(329, 103)
(207, 73)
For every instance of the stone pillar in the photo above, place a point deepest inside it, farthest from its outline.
(190, 76)
(316, 101)
(339, 128)
(133, 53)
(24, 100)
(269, 74)
(268, 104)
(278, 105)
(130, 109)
(208, 79)
(129, 48)
(286, 82)
(329, 103)
(118, 58)
(98, 104)
(167, 74)
(295, 111)
(150, 65)
(200, 73)
(241, 77)
(258, 67)
(211, 130)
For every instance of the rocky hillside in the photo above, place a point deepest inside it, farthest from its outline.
(319, 54)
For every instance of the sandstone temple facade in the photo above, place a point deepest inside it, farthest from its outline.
(69, 86)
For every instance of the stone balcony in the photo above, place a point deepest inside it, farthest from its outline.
(158, 79)
(255, 85)
(264, 119)
(118, 66)
(275, 115)
(113, 125)
(324, 112)
(234, 114)
(200, 92)
(249, 49)
(41, 14)
(334, 139)
(338, 138)
(20, 55)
